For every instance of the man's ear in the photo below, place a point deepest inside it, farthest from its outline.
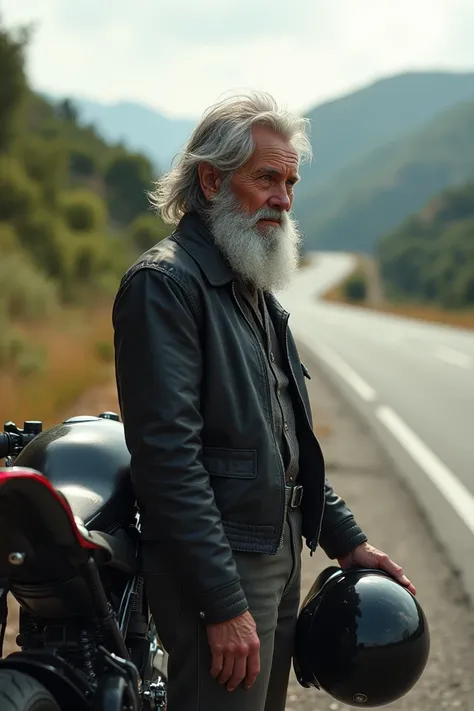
(209, 179)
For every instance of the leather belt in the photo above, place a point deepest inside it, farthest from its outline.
(293, 496)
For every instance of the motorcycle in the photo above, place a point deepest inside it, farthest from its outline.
(69, 555)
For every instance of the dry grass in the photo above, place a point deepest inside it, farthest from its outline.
(77, 380)
(77, 358)
(422, 312)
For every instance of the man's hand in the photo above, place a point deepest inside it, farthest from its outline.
(366, 556)
(235, 649)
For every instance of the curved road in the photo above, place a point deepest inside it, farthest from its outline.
(414, 382)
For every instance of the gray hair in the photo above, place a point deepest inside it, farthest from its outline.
(224, 139)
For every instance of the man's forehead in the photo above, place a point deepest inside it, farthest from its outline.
(265, 138)
(273, 148)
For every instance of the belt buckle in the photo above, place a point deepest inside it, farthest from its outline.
(296, 496)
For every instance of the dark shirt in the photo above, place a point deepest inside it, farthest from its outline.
(256, 310)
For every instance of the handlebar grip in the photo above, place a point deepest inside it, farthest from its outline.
(5, 445)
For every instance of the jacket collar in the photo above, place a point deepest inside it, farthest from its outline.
(193, 235)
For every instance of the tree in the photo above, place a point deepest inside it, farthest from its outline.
(82, 164)
(128, 178)
(44, 236)
(46, 164)
(19, 194)
(147, 230)
(66, 110)
(13, 81)
(84, 211)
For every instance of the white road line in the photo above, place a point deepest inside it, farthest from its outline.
(443, 478)
(335, 362)
(449, 355)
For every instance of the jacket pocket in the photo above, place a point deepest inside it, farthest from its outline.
(231, 463)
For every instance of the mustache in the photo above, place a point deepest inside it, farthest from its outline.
(268, 213)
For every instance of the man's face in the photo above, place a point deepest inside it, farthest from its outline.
(267, 179)
(249, 214)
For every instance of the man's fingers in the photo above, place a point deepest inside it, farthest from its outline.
(403, 580)
(234, 644)
(397, 571)
(227, 669)
(240, 666)
(253, 667)
(217, 662)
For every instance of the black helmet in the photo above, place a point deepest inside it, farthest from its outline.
(361, 637)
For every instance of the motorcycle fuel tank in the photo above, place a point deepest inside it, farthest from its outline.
(86, 458)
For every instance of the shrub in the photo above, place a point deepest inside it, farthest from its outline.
(355, 288)
(25, 293)
(19, 194)
(44, 236)
(82, 163)
(8, 240)
(146, 231)
(104, 350)
(83, 211)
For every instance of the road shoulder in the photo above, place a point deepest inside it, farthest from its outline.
(362, 473)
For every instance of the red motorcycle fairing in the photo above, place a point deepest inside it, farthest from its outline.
(42, 548)
(34, 488)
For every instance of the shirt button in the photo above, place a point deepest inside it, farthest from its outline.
(286, 427)
(272, 357)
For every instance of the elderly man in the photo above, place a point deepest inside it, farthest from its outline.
(227, 470)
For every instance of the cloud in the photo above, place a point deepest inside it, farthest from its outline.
(180, 56)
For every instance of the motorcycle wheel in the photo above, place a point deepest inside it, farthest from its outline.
(20, 692)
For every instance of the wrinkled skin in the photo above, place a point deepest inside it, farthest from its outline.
(366, 556)
(267, 179)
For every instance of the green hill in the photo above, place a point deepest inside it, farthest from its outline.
(73, 209)
(376, 192)
(350, 127)
(430, 256)
(139, 127)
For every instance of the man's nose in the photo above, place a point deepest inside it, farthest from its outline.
(280, 201)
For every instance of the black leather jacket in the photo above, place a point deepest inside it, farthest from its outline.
(195, 402)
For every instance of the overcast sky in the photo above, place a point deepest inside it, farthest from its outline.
(179, 56)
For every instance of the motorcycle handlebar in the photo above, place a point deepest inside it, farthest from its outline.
(5, 445)
(12, 443)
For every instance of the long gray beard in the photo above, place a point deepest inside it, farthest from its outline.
(269, 259)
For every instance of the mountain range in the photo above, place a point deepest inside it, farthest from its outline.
(138, 127)
(379, 152)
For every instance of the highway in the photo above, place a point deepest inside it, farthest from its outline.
(414, 385)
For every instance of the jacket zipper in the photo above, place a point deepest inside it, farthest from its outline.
(283, 507)
(314, 542)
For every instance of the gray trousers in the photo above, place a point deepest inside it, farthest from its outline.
(272, 588)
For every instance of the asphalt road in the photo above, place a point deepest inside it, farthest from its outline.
(414, 383)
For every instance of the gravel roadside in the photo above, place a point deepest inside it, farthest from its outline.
(360, 472)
